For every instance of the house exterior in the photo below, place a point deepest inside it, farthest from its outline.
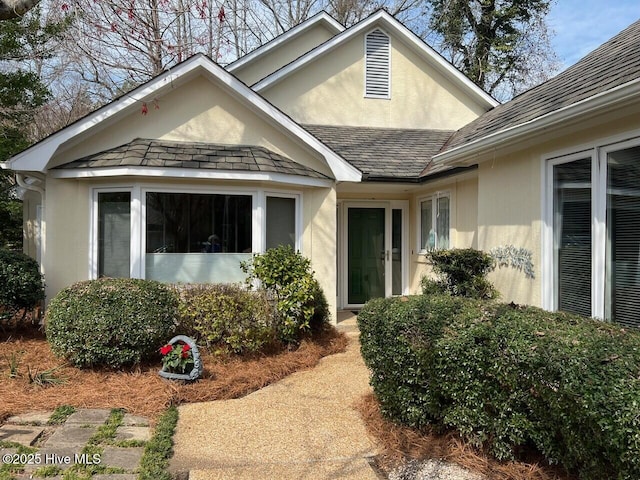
(362, 148)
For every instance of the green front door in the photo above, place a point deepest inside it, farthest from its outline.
(366, 254)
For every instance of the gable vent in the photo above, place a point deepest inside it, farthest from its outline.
(377, 65)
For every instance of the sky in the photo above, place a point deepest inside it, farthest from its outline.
(582, 25)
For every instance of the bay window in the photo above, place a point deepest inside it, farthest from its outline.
(187, 237)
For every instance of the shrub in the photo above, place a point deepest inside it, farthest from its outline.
(227, 316)
(506, 377)
(287, 277)
(111, 321)
(21, 285)
(463, 273)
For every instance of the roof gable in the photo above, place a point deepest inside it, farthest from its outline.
(611, 69)
(284, 48)
(390, 25)
(37, 157)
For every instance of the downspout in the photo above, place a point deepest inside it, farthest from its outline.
(20, 179)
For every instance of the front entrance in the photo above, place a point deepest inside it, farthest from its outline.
(374, 251)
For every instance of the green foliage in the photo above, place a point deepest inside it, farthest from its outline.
(488, 40)
(463, 273)
(506, 377)
(227, 316)
(60, 414)
(287, 277)
(158, 451)
(111, 321)
(45, 378)
(21, 284)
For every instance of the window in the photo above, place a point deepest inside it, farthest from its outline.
(114, 234)
(189, 237)
(281, 222)
(434, 223)
(377, 65)
(197, 238)
(594, 234)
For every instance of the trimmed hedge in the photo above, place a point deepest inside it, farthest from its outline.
(111, 321)
(506, 377)
(21, 284)
(462, 272)
(227, 316)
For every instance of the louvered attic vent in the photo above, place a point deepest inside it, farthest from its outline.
(377, 65)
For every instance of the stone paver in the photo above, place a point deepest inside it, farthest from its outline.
(133, 433)
(71, 436)
(134, 421)
(61, 445)
(125, 458)
(34, 418)
(88, 416)
(23, 434)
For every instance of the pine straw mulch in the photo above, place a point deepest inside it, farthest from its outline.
(140, 390)
(401, 444)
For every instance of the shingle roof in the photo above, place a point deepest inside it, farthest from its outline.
(614, 63)
(383, 152)
(168, 154)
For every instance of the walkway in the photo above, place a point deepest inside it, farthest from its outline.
(303, 427)
(59, 447)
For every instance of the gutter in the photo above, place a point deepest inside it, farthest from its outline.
(420, 180)
(20, 179)
(511, 134)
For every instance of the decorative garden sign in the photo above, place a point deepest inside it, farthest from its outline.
(181, 359)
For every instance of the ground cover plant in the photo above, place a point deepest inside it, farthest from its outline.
(508, 378)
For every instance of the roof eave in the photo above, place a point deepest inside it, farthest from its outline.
(287, 36)
(602, 101)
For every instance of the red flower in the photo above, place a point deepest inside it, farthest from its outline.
(185, 350)
(166, 349)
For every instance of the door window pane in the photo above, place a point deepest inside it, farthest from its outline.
(114, 234)
(622, 281)
(366, 254)
(572, 235)
(396, 251)
(281, 222)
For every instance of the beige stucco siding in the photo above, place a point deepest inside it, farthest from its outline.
(330, 91)
(319, 239)
(510, 190)
(282, 54)
(198, 111)
(66, 241)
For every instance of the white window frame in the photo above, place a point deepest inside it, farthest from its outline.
(138, 193)
(434, 211)
(298, 215)
(598, 152)
(368, 95)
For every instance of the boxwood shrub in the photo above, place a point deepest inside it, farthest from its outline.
(21, 284)
(508, 377)
(111, 321)
(228, 317)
